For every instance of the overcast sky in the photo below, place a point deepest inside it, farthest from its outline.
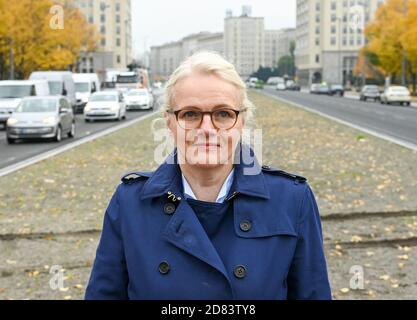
(158, 21)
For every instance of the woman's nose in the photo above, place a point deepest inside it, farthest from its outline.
(206, 123)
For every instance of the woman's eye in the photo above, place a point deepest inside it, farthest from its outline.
(189, 114)
(223, 114)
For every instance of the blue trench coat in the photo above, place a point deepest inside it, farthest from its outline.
(153, 246)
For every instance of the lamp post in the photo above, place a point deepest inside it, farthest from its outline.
(339, 19)
(127, 21)
(10, 42)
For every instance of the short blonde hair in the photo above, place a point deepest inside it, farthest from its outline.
(210, 63)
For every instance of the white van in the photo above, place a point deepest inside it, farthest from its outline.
(12, 92)
(60, 83)
(85, 85)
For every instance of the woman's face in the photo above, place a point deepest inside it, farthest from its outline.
(207, 145)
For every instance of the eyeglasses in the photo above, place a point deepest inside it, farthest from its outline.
(224, 118)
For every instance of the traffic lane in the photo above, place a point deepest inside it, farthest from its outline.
(22, 150)
(393, 120)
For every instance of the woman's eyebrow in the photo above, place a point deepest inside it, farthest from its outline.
(219, 106)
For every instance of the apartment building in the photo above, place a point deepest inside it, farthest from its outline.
(329, 36)
(112, 19)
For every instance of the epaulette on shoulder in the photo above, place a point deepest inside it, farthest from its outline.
(135, 176)
(274, 171)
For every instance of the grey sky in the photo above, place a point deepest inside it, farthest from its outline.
(158, 21)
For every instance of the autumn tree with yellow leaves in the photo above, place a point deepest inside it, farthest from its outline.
(391, 34)
(27, 27)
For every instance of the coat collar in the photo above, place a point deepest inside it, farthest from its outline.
(167, 177)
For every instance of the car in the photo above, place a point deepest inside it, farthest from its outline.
(324, 89)
(337, 90)
(85, 85)
(369, 92)
(280, 86)
(396, 94)
(139, 99)
(314, 88)
(48, 117)
(60, 83)
(12, 92)
(105, 105)
(292, 85)
(252, 82)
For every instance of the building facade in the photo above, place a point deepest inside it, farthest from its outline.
(166, 58)
(244, 43)
(112, 19)
(277, 45)
(329, 36)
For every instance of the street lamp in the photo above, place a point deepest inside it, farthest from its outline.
(127, 21)
(10, 42)
(339, 40)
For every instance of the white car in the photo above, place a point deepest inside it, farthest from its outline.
(139, 99)
(281, 86)
(105, 105)
(396, 94)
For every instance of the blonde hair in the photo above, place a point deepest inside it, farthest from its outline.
(210, 63)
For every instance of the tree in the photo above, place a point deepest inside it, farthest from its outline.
(286, 66)
(392, 33)
(36, 45)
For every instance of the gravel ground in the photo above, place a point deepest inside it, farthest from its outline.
(51, 213)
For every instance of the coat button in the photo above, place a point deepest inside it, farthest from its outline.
(164, 267)
(245, 225)
(169, 208)
(239, 272)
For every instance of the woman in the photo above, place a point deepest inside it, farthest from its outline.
(202, 226)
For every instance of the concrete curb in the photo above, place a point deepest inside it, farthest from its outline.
(40, 157)
(386, 137)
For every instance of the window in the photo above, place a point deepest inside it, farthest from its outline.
(317, 58)
(118, 6)
(117, 18)
(102, 18)
(118, 42)
(118, 59)
(333, 41)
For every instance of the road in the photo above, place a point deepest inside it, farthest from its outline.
(397, 122)
(10, 154)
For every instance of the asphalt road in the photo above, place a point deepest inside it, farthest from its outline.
(395, 121)
(10, 154)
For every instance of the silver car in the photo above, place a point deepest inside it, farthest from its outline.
(41, 117)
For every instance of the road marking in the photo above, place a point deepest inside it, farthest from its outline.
(386, 137)
(40, 157)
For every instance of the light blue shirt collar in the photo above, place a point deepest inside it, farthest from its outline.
(188, 192)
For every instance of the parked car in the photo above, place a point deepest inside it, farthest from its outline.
(281, 86)
(41, 117)
(105, 105)
(292, 85)
(259, 84)
(337, 90)
(12, 92)
(85, 85)
(314, 88)
(369, 92)
(60, 83)
(396, 94)
(252, 82)
(139, 99)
